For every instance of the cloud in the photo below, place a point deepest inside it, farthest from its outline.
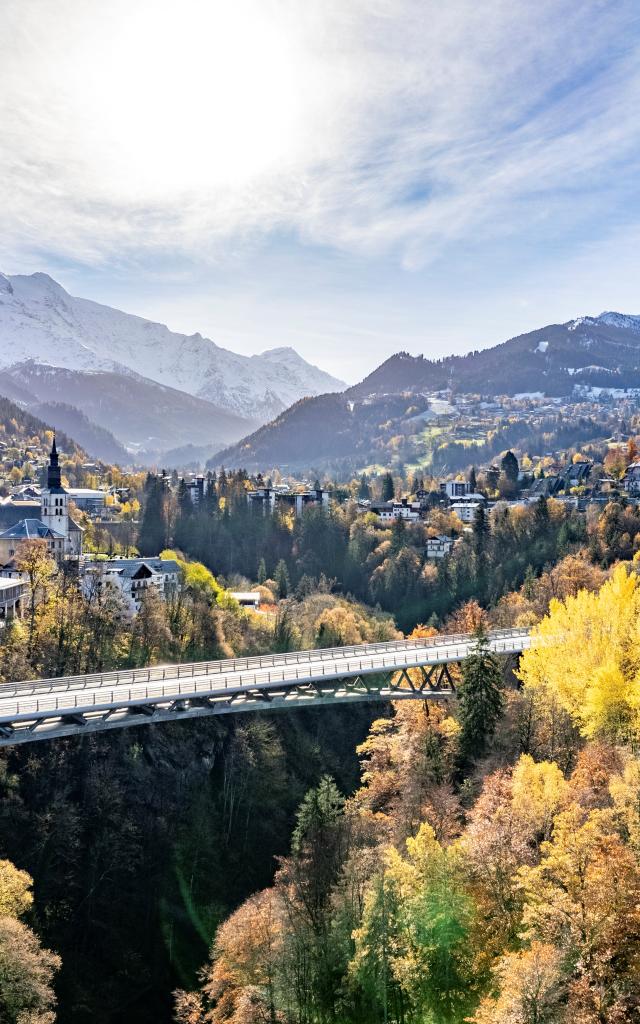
(398, 127)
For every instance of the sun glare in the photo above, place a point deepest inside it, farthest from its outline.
(188, 95)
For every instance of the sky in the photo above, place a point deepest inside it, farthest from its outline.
(348, 177)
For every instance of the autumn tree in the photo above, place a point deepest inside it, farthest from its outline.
(38, 569)
(585, 654)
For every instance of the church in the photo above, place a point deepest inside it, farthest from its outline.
(55, 525)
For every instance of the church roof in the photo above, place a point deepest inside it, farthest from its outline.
(31, 529)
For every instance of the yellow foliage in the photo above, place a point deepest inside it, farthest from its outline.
(585, 653)
(15, 890)
(538, 792)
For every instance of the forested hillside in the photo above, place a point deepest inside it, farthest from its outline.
(359, 864)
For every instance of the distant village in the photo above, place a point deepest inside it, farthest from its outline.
(94, 528)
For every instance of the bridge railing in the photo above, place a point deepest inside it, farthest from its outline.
(230, 665)
(154, 689)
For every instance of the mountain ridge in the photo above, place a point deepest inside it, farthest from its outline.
(40, 320)
(559, 360)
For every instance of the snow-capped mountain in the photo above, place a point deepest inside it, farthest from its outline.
(41, 322)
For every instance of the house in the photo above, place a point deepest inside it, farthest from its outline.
(31, 529)
(578, 473)
(631, 479)
(439, 547)
(131, 578)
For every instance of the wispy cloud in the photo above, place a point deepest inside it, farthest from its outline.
(397, 127)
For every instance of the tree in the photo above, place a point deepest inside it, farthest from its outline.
(388, 487)
(480, 700)
(246, 961)
(262, 571)
(509, 466)
(473, 483)
(282, 578)
(584, 899)
(26, 969)
(38, 568)
(364, 491)
(26, 976)
(585, 655)
(532, 987)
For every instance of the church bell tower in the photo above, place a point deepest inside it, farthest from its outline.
(54, 502)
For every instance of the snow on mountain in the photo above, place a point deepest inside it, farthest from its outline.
(623, 320)
(40, 321)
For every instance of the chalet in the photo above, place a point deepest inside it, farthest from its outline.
(578, 473)
(131, 578)
(631, 479)
(439, 547)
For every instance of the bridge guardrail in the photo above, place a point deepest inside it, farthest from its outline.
(231, 665)
(176, 688)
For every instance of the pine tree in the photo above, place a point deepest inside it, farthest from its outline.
(473, 483)
(262, 571)
(388, 489)
(282, 578)
(364, 491)
(480, 700)
(510, 467)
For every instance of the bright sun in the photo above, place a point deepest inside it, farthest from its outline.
(181, 96)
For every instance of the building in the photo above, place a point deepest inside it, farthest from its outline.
(439, 547)
(246, 598)
(131, 578)
(454, 488)
(88, 499)
(389, 511)
(466, 510)
(299, 500)
(12, 594)
(578, 473)
(631, 479)
(266, 499)
(55, 525)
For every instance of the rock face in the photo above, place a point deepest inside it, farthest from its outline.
(42, 323)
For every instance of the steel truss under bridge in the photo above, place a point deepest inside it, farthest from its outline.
(75, 705)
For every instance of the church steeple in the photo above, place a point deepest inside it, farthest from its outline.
(54, 479)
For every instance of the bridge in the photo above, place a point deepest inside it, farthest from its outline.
(76, 705)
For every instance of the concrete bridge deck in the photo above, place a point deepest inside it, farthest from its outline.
(47, 708)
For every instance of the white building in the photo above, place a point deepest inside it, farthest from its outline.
(455, 488)
(389, 511)
(55, 525)
(466, 510)
(439, 547)
(131, 578)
